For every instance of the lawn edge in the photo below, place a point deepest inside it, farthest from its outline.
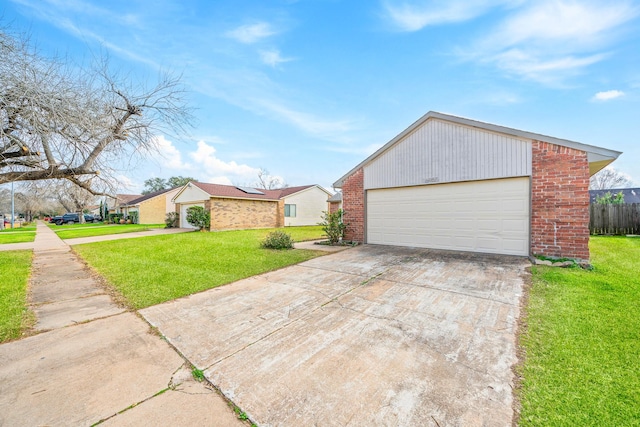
(522, 328)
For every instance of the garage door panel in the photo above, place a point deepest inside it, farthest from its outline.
(481, 216)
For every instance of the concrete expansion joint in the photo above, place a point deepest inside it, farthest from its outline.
(330, 270)
(40, 304)
(417, 285)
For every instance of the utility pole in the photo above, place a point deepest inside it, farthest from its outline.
(13, 212)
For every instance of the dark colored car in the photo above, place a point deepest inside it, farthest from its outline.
(71, 218)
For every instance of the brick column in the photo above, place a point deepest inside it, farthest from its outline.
(353, 206)
(559, 201)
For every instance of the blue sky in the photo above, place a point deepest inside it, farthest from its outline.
(307, 89)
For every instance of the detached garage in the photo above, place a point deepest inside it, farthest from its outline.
(452, 183)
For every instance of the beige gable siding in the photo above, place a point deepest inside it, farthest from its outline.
(440, 151)
(310, 204)
(170, 206)
(192, 194)
(238, 214)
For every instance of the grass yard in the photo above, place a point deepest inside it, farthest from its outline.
(306, 233)
(582, 342)
(23, 237)
(14, 273)
(89, 230)
(18, 235)
(148, 271)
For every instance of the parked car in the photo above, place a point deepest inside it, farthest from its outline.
(71, 218)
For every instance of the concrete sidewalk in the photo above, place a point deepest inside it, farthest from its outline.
(93, 361)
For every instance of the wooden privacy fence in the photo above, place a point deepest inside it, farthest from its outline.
(614, 219)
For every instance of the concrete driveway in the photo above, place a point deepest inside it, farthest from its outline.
(370, 336)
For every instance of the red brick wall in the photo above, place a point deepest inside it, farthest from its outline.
(559, 201)
(334, 207)
(353, 206)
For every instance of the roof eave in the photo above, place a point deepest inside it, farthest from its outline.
(595, 154)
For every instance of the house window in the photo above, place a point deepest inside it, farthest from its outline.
(290, 211)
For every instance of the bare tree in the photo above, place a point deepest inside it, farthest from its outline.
(268, 181)
(72, 197)
(60, 123)
(608, 178)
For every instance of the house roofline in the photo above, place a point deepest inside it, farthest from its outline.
(308, 188)
(596, 154)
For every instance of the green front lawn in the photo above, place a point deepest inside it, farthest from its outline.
(90, 230)
(152, 270)
(582, 341)
(24, 229)
(28, 236)
(305, 233)
(18, 234)
(14, 274)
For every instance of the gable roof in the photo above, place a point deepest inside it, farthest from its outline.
(631, 195)
(234, 192)
(335, 198)
(290, 191)
(229, 191)
(141, 199)
(598, 157)
(123, 199)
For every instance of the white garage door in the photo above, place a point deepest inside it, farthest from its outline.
(183, 214)
(479, 216)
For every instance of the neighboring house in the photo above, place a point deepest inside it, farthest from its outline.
(448, 182)
(113, 205)
(304, 205)
(234, 207)
(631, 195)
(335, 202)
(152, 208)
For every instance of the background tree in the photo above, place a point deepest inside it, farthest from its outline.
(58, 122)
(152, 185)
(179, 181)
(609, 178)
(268, 181)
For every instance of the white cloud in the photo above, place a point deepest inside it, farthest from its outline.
(573, 24)
(548, 41)
(168, 155)
(219, 171)
(273, 58)
(607, 95)
(307, 122)
(252, 33)
(409, 16)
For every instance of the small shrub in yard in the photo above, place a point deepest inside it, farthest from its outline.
(333, 226)
(277, 240)
(171, 220)
(199, 217)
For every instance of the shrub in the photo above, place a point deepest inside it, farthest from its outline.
(172, 220)
(277, 240)
(199, 217)
(610, 199)
(333, 226)
(115, 217)
(134, 217)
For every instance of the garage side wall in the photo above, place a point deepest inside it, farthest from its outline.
(239, 214)
(353, 206)
(559, 201)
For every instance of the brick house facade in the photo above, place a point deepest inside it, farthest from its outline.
(559, 201)
(233, 208)
(558, 174)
